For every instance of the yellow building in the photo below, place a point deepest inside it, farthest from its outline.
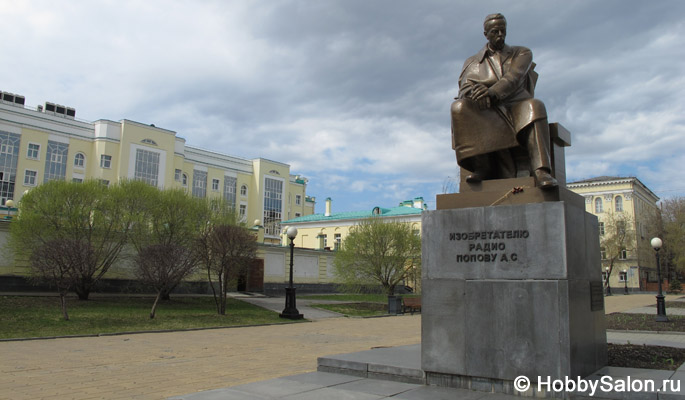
(48, 142)
(627, 199)
(327, 231)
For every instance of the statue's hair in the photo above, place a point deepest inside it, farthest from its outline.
(492, 18)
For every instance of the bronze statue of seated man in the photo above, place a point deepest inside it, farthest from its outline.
(495, 118)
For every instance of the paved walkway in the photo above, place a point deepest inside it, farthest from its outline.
(277, 304)
(621, 303)
(157, 366)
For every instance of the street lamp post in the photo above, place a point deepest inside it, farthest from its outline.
(608, 282)
(9, 204)
(660, 303)
(290, 310)
(625, 280)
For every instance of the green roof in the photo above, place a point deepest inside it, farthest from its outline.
(384, 212)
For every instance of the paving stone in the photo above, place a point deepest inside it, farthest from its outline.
(378, 387)
(322, 378)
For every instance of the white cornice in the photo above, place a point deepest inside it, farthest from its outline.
(32, 119)
(214, 159)
(348, 222)
(599, 183)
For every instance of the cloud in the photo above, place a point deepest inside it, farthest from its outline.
(355, 94)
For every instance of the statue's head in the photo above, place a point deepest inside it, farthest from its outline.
(495, 30)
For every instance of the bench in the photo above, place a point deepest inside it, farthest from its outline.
(411, 303)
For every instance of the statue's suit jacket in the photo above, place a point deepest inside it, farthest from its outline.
(512, 79)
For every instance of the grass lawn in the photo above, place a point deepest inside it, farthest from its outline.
(356, 309)
(673, 304)
(24, 316)
(355, 305)
(354, 297)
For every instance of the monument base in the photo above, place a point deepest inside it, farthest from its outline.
(510, 291)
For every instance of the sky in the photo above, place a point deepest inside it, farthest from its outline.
(355, 94)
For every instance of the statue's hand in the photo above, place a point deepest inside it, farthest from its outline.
(484, 103)
(478, 92)
(481, 95)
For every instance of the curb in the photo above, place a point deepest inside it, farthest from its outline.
(152, 331)
(647, 332)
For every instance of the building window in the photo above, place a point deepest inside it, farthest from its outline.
(149, 141)
(603, 253)
(243, 190)
(243, 211)
(623, 276)
(147, 167)
(298, 199)
(9, 157)
(619, 203)
(598, 205)
(104, 182)
(298, 214)
(79, 160)
(338, 241)
(273, 206)
(184, 181)
(56, 161)
(604, 276)
(7, 148)
(199, 183)
(229, 190)
(215, 185)
(177, 175)
(33, 151)
(623, 254)
(601, 228)
(621, 227)
(30, 178)
(325, 241)
(77, 180)
(105, 161)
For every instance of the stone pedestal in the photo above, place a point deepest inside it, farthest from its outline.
(511, 290)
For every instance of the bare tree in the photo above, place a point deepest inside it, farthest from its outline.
(226, 252)
(673, 218)
(451, 183)
(164, 266)
(89, 213)
(164, 237)
(617, 239)
(58, 262)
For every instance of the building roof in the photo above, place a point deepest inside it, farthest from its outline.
(355, 215)
(602, 179)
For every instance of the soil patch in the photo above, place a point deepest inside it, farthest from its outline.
(673, 304)
(650, 357)
(645, 322)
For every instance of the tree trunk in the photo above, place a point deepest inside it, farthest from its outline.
(82, 293)
(211, 285)
(390, 289)
(63, 304)
(154, 306)
(224, 289)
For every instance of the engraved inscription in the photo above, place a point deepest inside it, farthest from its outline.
(488, 246)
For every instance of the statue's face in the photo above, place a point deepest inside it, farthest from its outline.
(496, 32)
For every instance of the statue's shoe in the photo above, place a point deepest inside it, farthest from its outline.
(474, 178)
(545, 180)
